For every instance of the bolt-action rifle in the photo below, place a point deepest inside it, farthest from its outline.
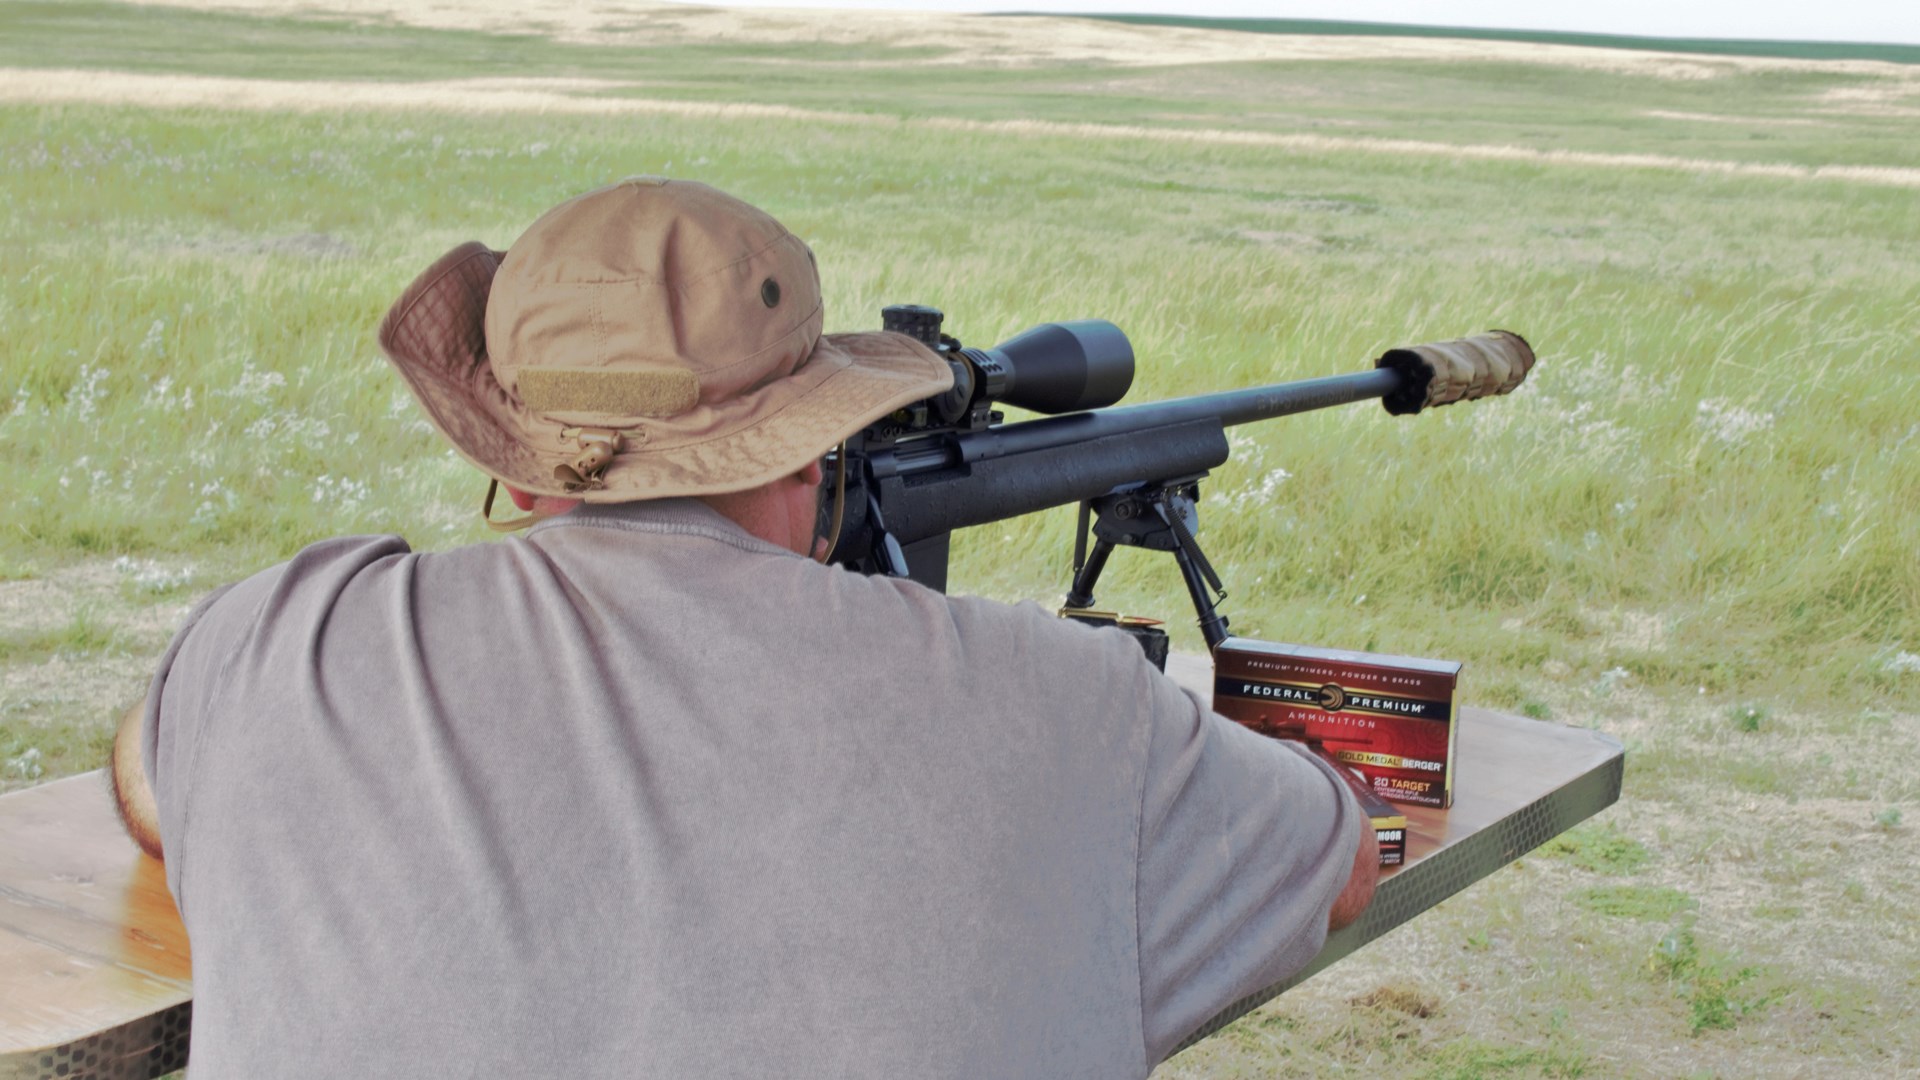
(952, 461)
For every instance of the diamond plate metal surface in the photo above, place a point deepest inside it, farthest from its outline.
(148, 1047)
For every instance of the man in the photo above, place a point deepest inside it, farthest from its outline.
(649, 791)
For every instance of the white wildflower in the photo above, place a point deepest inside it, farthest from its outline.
(315, 433)
(1904, 663)
(1614, 678)
(153, 342)
(1730, 423)
(88, 391)
(149, 576)
(1269, 487)
(347, 493)
(159, 393)
(254, 385)
(27, 766)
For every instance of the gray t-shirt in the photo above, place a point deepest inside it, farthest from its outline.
(642, 795)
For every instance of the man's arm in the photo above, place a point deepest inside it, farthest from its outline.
(1358, 891)
(1250, 851)
(131, 792)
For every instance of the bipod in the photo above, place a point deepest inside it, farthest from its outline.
(1158, 516)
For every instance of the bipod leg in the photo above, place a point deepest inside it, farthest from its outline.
(1203, 584)
(1213, 625)
(1087, 573)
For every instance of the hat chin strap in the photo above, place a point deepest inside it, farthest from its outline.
(510, 524)
(839, 506)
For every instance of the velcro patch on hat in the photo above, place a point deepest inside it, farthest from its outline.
(611, 392)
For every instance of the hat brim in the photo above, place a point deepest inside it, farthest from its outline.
(434, 336)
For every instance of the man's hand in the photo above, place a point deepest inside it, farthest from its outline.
(1353, 899)
(131, 794)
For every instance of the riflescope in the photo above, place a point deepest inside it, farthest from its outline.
(1053, 368)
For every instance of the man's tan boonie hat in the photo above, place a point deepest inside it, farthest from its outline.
(646, 340)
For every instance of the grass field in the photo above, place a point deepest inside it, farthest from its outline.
(1694, 528)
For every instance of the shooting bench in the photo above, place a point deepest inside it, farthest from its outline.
(96, 980)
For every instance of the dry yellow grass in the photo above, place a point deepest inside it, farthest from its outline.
(989, 40)
(605, 97)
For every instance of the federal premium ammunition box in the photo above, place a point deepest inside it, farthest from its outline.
(1390, 718)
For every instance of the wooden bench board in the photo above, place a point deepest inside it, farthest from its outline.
(96, 975)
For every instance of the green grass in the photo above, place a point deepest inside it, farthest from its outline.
(1601, 849)
(1470, 1059)
(84, 632)
(52, 750)
(1656, 903)
(1503, 103)
(1718, 996)
(1677, 462)
(1749, 717)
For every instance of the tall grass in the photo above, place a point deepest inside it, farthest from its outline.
(1721, 437)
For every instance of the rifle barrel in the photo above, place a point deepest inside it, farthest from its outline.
(1228, 407)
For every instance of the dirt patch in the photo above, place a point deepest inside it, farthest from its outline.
(101, 588)
(1629, 631)
(82, 641)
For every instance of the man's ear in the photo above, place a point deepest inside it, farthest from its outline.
(131, 794)
(520, 498)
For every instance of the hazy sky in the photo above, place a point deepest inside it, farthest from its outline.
(1811, 20)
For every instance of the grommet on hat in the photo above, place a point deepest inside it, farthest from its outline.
(650, 339)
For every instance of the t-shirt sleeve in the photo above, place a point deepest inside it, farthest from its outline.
(1245, 842)
(183, 700)
(185, 683)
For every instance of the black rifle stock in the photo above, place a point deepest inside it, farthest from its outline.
(951, 463)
